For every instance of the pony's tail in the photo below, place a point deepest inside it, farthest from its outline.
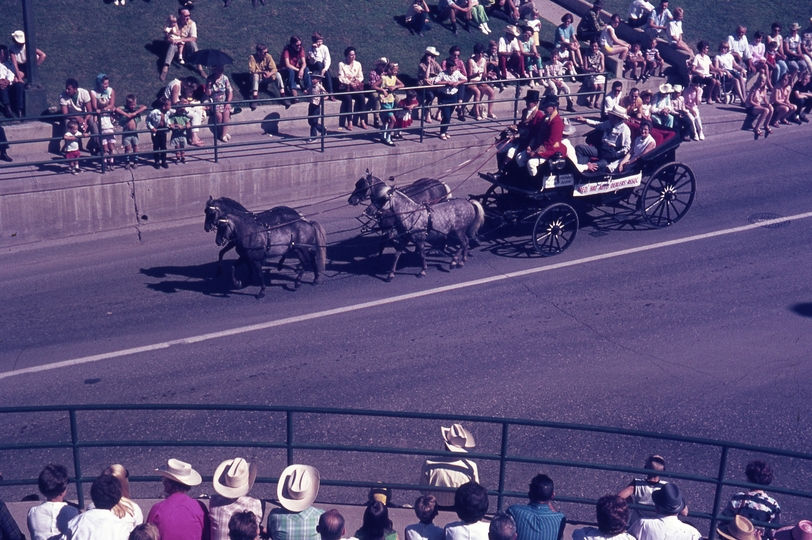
(321, 246)
(479, 219)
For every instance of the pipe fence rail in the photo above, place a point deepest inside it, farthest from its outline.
(419, 127)
(291, 445)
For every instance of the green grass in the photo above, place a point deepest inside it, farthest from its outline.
(85, 37)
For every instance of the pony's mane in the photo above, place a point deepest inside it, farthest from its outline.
(230, 204)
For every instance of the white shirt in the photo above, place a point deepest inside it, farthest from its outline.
(591, 533)
(447, 472)
(461, 531)
(50, 519)
(702, 64)
(640, 8)
(424, 531)
(6, 73)
(664, 528)
(320, 54)
(78, 102)
(96, 524)
(739, 45)
(674, 31)
(505, 47)
(130, 520)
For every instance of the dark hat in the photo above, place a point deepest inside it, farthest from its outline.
(532, 95)
(668, 499)
(597, 3)
(550, 101)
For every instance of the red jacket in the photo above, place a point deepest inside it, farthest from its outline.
(551, 133)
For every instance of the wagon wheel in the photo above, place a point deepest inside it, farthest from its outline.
(668, 194)
(491, 196)
(555, 229)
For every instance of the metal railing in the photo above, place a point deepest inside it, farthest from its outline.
(292, 445)
(418, 127)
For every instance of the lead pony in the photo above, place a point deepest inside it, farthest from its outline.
(455, 219)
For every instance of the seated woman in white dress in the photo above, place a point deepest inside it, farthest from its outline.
(641, 145)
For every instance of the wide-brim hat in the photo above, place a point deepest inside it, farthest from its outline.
(234, 478)
(297, 487)
(456, 437)
(665, 88)
(316, 76)
(381, 61)
(677, 88)
(18, 36)
(433, 51)
(795, 26)
(620, 112)
(510, 29)
(801, 531)
(668, 498)
(739, 528)
(181, 472)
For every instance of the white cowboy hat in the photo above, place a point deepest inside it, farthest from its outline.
(433, 51)
(618, 111)
(234, 478)
(297, 487)
(457, 438)
(381, 60)
(180, 471)
(665, 88)
(510, 29)
(19, 37)
(677, 88)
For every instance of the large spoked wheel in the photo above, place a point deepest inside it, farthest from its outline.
(668, 195)
(555, 229)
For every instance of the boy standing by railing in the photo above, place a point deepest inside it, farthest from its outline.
(131, 113)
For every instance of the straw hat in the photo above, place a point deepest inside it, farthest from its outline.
(234, 478)
(620, 112)
(18, 37)
(433, 51)
(457, 438)
(666, 88)
(677, 88)
(739, 528)
(297, 487)
(510, 29)
(795, 26)
(180, 471)
(801, 531)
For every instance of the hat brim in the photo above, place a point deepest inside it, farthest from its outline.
(230, 492)
(624, 116)
(194, 478)
(297, 505)
(723, 533)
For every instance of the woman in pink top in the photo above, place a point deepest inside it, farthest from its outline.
(780, 101)
(693, 97)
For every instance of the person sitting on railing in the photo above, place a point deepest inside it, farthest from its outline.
(75, 102)
(425, 508)
(331, 525)
(639, 490)
(218, 88)
(452, 471)
(538, 520)
(232, 480)
(294, 67)
(455, 53)
(477, 69)
(99, 523)
(612, 514)
(51, 518)
(263, 70)
(376, 524)
(319, 61)
(297, 519)
(471, 505)
(666, 526)
(755, 504)
(510, 57)
(427, 71)
(178, 516)
(351, 79)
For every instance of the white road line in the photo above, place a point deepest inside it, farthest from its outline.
(395, 299)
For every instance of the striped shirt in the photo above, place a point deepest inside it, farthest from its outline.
(755, 506)
(286, 525)
(537, 521)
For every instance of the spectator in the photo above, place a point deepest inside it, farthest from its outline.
(99, 523)
(51, 518)
(732, 74)
(692, 97)
(4, 146)
(103, 101)
(675, 33)
(477, 68)
(297, 519)
(493, 71)
(556, 70)
(780, 58)
(294, 67)
(635, 62)
(386, 87)
(755, 504)
(331, 525)
(612, 511)
(130, 116)
(403, 119)
(612, 98)
(615, 143)
(314, 107)
(219, 89)
(376, 524)
(351, 79)
(186, 45)
(454, 53)
(73, 135)
(659, 19)
(19, 55)
(417, 17)
(639, 490)
(186, 92)
(661, 106)
(639, 13)
(631, 102)
(806, 45)
(792, 49)
(538, 520)
(802, 530)
(756, 52)
(502, 527)
(479, 16)
(739, 528)
(75, 102)
(508, 7)
(594, 65)
(319, 61)
(263, 70)
(145, 531)
(641, 145)
(374, 100)
(172, 33)
(179, 124)
(471, 505)
(12, 91)
(126, 510)
(666, 525)
(783, 108)
(452, 471)
(425, 508)
(510, 57)
(566, 39)
(801, 96)
(526, 131)
(427, 71)
(451, 9)
(531, 18)
(591, 25)
(702, 66)
(243, 525)
(530, 56)
(178, 516)
(739, 47)
(653, 60)
(611, 44)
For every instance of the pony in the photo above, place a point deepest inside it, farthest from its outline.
(255, 243)
(456, 219)
(222, 207)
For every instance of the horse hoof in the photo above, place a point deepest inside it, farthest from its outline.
(297, 284)
(390, 277)
(237, 284)
(422, 274)
(260, 296)
(316, 282)
(460, 264)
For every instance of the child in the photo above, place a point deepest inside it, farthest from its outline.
(172, 32)
(314, 107)
(157, 122)
(107, 139)
(403, 116)
(72, 137)
(639, 490)
(386, 87)
(636, 59)
(131, 115)
(772, 61)
(693, 97)
(556, 70)
(51, 518)
(645, 106)
(179, 122)
(653, 61)
(425, 508)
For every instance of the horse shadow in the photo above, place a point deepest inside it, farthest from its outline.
(204, 279)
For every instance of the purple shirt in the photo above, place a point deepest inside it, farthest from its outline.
(179, 517)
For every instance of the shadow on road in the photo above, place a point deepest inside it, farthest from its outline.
(804, 309)
(203, 279)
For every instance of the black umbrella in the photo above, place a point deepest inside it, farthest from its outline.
(210, 58)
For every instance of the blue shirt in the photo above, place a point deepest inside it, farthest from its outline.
(536, 521)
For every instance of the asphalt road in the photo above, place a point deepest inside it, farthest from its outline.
(707, 337)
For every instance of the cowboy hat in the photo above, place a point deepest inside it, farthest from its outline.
(665, 88)
(795, 26)
(297, 487)
(457, 438)
(677, 88)
(510, 29)
(801, 531)
(181, 472)
(19, 37)
(433, 51)
(668, 498)
(739, 528)
(234, 478)
(620, 112)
